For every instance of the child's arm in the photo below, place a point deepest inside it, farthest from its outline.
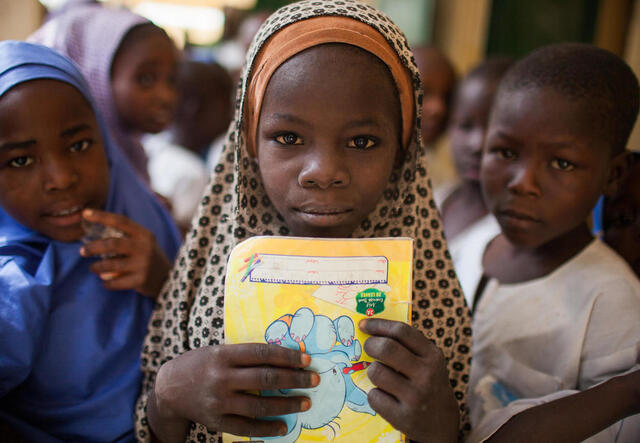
(210, 385)
(412, 391)
(575, 417)
(133, 262)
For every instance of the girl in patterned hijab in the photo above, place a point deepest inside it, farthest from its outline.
(325, 143)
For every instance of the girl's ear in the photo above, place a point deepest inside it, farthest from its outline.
(618, 172)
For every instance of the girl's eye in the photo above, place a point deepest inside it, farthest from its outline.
(80, 146)
(362, 142)
(146, 79)
(20, 162)
(289, 139)
(562, 164)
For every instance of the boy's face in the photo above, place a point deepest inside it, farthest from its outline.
(52, 161)
(622, 220)
(143, 80)
(327, 139)
(542, 169)
(469, 124)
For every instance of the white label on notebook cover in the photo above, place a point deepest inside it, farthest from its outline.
(309, 270)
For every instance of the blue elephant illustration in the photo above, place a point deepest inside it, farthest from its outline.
(332, 347)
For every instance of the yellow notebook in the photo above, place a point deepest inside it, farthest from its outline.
(310, 294)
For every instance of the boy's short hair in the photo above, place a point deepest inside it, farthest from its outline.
(586, 73)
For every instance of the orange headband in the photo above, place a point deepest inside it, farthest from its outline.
(305, 34)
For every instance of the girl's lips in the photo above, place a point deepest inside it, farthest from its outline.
(518, 220)
(324, 216)
(65, 217)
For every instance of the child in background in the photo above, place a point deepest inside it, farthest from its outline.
(177, 156)
(438, 82)
(465, 220)
(559, 311)
(130, 64)
(621, 215)
(324, 144)
(71, 323)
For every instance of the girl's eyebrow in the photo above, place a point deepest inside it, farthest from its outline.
(16, 145)
(363, 122)
(74, 130)
(288, 117)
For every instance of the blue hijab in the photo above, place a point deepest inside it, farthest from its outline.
(69, 348)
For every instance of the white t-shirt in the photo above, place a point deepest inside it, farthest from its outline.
(467, 249)
(176, 173)
(553, 336)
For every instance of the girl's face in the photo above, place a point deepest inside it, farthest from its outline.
(143, 79)
(327, 139)
(469, 125)
(52, 161)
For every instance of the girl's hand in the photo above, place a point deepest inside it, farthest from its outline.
(412, 391)
(210, 385)
(135, 261)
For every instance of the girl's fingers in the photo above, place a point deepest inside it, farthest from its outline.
(393, 354)
(409, 337)
(120, 265)
(107, 246)
(387, 406)
(258, 354)
(117, 221)
(269, 377)
(254, 406)
(248, 427)
(119, 282)
(389, 380)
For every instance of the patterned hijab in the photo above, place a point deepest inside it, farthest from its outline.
(189, 313)
(90, 35)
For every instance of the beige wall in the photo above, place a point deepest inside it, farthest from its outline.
(460, 30)
(19, 18)
(632, 56)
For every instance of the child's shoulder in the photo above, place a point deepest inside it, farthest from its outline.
(599, 270)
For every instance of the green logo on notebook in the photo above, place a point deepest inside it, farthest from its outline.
(370, 302)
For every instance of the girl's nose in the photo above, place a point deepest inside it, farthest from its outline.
(524, 181)
(324, 168)
(59, 175)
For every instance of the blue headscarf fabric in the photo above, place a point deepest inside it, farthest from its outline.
(69, 348)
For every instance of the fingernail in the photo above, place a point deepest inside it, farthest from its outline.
(315, 379)
(306, 359)
(362, 324)
(284, 430)
(82, 251)
(87, 213)
(305, 405)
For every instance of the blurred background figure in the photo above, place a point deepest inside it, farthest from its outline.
(178, 156)
(130, 65)
(465, 218)
(621, 216)
(438, 81)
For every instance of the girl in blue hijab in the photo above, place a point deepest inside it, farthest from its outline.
(72, 317)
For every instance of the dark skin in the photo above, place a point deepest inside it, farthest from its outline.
(61, 164)
(438, 80)
(467, 131)
(322, 146)
(541, 186)
(621, 214)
